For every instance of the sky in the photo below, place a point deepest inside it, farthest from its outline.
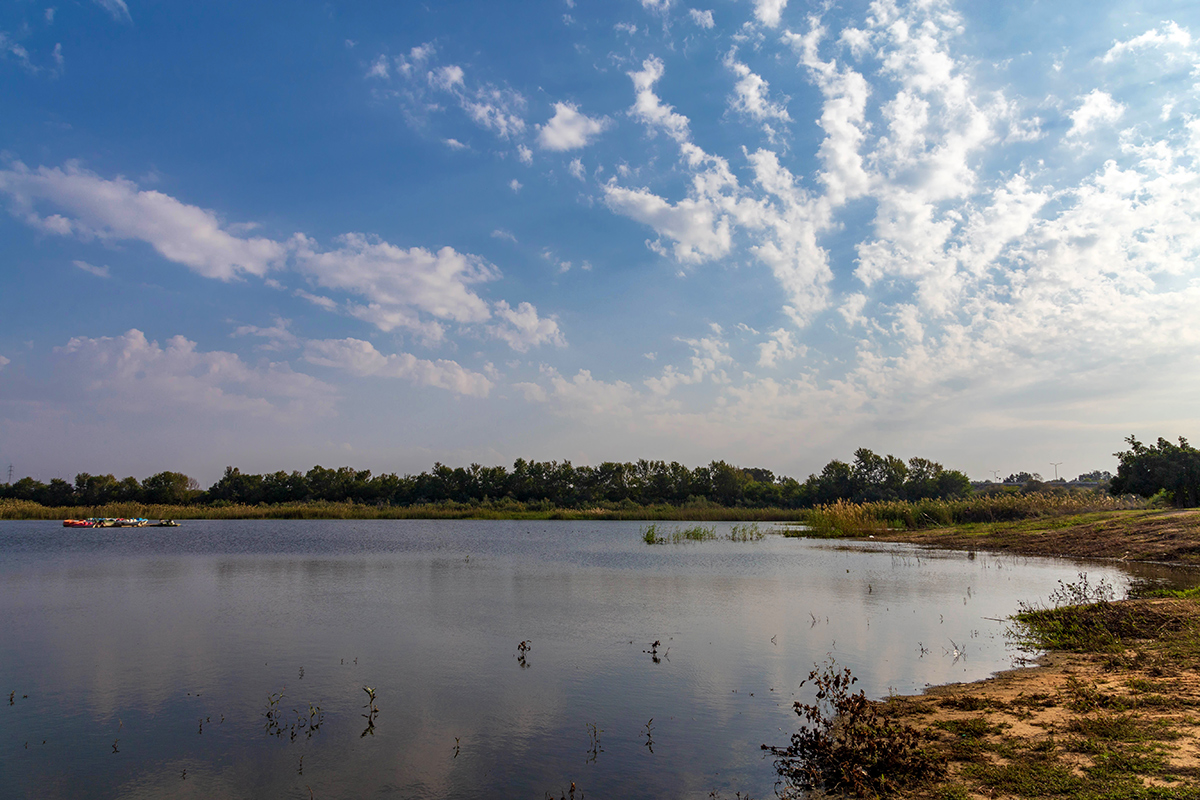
(771, 232)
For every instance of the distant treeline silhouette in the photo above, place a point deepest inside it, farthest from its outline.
(869, 477)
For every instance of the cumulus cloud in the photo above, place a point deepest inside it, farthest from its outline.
(1098, 108)
(751, 94)
(702, 18)
(699, 232)
(96, 208)
(361, 358)
(649, 109)
(769, 12)
(401, 286)
(521, 327)
(570, 130)
(1168, 35)
(709, 355)
(779, 348)
(131, 373)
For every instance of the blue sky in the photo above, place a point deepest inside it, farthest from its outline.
(765, 231)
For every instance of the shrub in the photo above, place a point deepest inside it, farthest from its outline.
(849, 744)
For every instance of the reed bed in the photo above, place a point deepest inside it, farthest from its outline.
(860, 519)
(502, 509)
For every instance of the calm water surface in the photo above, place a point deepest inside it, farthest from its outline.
(142, 661)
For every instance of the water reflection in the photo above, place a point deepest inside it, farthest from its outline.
(436, 659)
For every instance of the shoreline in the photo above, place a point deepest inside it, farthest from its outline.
(1116, 717)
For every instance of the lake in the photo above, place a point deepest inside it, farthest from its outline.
(228, 659)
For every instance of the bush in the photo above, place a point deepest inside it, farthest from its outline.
(849, 744)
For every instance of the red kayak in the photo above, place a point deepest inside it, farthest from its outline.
(78, 523)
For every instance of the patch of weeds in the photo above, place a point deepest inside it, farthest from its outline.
(969, 743)
(848, 744)
(1086, 697)
(970, 702)
(650, 535)
(654, 534)
(1146, 686)
(745, 532)
(1121, 728)
(974, 728)
(1029, 779)
(1035, 700)
(952, 791)
(696, 533)
(1122, 763)
(1082, 592)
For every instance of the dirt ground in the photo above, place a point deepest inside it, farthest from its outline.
(1161, 536)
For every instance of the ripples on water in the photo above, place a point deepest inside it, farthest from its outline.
(151, 657)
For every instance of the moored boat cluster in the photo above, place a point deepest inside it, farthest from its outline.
(119, 522)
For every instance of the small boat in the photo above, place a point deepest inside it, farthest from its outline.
(78, 523)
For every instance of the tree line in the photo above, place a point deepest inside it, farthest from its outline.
(868, 477)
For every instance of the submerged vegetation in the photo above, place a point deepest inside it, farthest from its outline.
(658, 534)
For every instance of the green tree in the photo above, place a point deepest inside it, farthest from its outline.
(170, 488)
(1165, 467)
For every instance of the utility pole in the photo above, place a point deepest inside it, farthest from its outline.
(995, 472)
(10, 474)
(1055, 465)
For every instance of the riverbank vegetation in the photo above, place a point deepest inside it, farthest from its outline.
(547, 484)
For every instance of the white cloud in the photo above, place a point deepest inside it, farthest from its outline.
(50, 16)
(702, 18)
(117, 8)
(455, 144)
(626, 27)
(400, 286)
(131, 374)
(503, 234)
(778, 348)
(362, 359)
(750, 95)
(446, 78)
(278, 335)
(525, 154)
(569, 130)
(709, 354)
(4, 362)
(521, 327)
(648, 109)
(10, 48)
(586, 397)
(657, 6)
(379, 68)
(117, 209)
(515, 185)
(1168, 35)
(576, 168)
(1098, 108)
(700, 233)
(769, 12)
(99, 272)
